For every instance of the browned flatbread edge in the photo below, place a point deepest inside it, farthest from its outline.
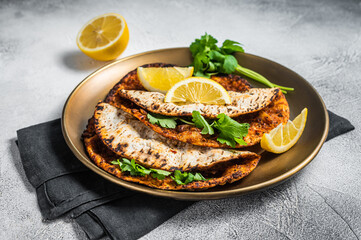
(100, 156)
(261, 122)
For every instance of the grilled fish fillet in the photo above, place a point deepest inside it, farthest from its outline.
(241, 103)
(128, 137)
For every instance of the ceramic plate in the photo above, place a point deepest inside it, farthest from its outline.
(271, 170)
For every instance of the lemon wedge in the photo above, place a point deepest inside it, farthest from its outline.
(104, 37)
(283, 137)
(198, 90)
(161, 79)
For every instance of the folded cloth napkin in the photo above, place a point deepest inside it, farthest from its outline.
(103, 209)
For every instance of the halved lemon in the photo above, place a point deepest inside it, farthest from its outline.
(104, 37)
(283, 137)
(198, 90)
(161, 79)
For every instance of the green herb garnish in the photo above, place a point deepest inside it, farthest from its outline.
(159, 174)
(185, 121)
(201, 122)
(230, 131)
(186, 177)
(209, 59)
(164, 121)
(137, 170)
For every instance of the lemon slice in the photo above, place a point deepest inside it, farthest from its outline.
(158, 79)
(283, 137)
(104, 37)
(198, 90)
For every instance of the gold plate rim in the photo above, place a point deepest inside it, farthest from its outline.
(183, 195)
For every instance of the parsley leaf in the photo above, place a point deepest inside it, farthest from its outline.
(230, 131)
(179, 177)
(135, 169)
(199, 177)
(142, 169)
(186, 177)
(230, 46)
(209, 59)
(163, 121)
(204, 44)
(166, 121)
(200, 49)
(229, 64)
(200, 122)
(159, 174)
(216, 56)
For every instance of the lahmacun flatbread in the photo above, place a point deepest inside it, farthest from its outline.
(120, 128)
(262, 121)
(126, 136)
(242, 103)
(220, 174)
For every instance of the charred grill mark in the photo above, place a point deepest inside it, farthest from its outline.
(230, 174)
(99, 108)
(276, 93)
(109, 140)
(153, 101)
(142, 111)
(119, 147)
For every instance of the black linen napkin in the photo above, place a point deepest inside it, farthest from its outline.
(338, 125)
(65, 186)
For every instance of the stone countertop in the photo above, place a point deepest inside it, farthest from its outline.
(40, 64)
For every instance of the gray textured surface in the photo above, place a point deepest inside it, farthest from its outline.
(40, 64)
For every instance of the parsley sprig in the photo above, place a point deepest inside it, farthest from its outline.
(164, 121)
(230, 131)
(135, 169)
(202, 123)
(186, 177)
(209, 59)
